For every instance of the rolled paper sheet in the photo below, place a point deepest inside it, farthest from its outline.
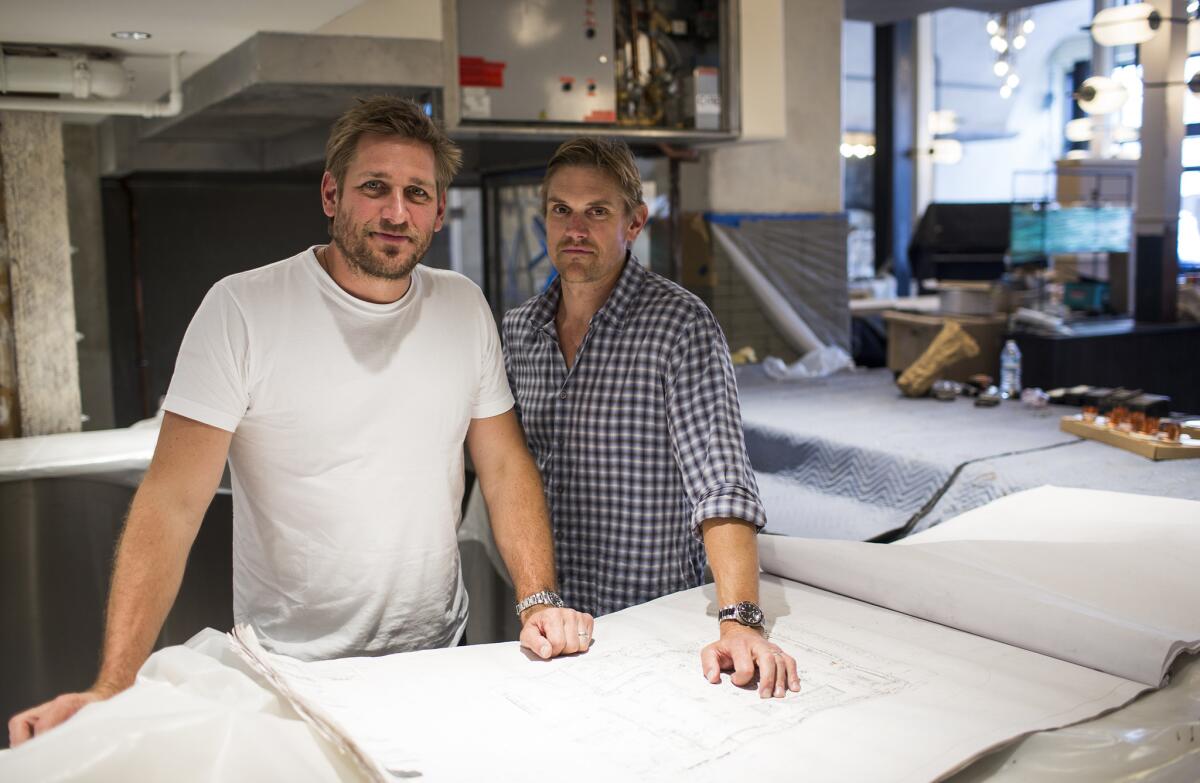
(951, 345)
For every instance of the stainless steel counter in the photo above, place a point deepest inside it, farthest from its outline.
(57, 538)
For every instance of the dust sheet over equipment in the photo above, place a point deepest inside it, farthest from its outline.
(1070, 603)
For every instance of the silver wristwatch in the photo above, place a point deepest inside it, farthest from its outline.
(547, 597)
(744, 612)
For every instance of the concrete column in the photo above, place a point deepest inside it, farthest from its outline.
(1156, 218)
(82, 165)
(1102, 65)
(801, 172)
(37, 333)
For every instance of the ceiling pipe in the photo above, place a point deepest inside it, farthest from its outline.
(168, 108)
(75, 75)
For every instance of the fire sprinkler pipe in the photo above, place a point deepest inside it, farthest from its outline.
(168, 108)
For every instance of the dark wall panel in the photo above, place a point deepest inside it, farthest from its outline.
(173, 236)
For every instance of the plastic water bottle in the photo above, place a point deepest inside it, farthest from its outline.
(1010, 371)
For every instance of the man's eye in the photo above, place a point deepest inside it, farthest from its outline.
(418, 194)
(372, 186)
(559, 209)
(599, 212)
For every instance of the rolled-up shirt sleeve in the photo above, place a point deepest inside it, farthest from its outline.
(705, 422)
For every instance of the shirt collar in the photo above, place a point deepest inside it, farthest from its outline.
(615, 308)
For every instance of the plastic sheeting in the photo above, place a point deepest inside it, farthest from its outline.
(802, 260)
(1156, 739)
(79, 453)
(197, 713)
(818, 363)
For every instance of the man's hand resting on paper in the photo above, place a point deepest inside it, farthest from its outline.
(40, 719)
(742, 649)
(547, 631)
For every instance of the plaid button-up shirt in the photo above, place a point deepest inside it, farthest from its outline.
(638, 442)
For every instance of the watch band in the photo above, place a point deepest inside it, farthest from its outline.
(541, 597)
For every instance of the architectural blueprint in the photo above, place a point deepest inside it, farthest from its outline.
(885, 695)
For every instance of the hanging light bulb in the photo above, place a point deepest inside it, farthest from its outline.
(1028, 27)
(943, 122)
(1123, 134)
(1005, 91)
(946, 151)
(1126, 24)
(1019, 42)
(1079, 130)
(1101, 95)
(999, 44)
(993, 27)
(1000, 68)
(1013, 80)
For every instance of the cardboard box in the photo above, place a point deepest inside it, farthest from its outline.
(1092, 181)
(909, 334)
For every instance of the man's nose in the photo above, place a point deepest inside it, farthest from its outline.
(577, 226)
(395, 208)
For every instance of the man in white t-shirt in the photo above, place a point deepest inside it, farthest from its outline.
(341, 385)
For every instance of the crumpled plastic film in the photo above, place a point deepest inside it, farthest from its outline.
(197, 713)
(1155, 739)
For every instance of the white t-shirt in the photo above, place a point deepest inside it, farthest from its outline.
(347, 455)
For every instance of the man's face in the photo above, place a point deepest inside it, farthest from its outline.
(387, 208)
(587, 227)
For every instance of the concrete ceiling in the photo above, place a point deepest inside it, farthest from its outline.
(884, 11)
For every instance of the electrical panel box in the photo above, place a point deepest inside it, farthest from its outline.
(536, 60)
(624, 64)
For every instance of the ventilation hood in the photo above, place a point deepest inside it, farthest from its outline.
(267, 104)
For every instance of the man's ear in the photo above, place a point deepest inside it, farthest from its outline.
(640, 215)
(441, 211)
(329, 194)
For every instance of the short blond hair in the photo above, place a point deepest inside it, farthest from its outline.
(612, 156)
(388, 115)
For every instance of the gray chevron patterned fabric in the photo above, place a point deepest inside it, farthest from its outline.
(848, 457)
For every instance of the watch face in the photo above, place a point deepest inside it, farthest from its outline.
(749, 614)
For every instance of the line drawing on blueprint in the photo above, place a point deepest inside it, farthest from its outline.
(649, 699)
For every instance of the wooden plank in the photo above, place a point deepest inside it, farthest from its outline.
(1142, 445)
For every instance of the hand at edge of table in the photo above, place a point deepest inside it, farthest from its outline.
(38, 720)
(742, 650)
(549, 632)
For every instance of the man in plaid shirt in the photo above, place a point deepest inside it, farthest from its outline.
(625, 389)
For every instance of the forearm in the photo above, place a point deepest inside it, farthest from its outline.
(149, 566)
(733, 556)
(521, 525)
